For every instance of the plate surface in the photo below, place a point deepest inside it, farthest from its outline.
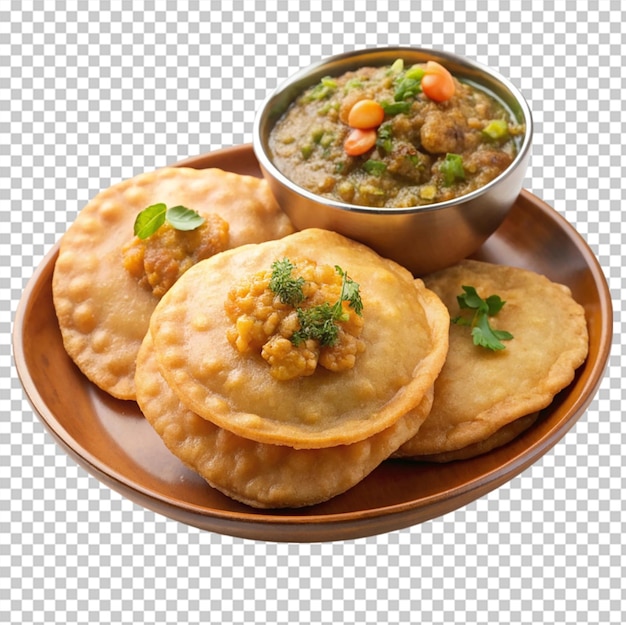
(112, 441)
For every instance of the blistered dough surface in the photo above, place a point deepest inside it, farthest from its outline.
(405, 332)
(260, 474)
(103, 313)
(479, 391)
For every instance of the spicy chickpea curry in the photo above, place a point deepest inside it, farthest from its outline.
(394, 136)
(291, 321)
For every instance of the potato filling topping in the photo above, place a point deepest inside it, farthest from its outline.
(160, 259)
(298, 315)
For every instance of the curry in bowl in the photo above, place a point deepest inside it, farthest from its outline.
(397, 136)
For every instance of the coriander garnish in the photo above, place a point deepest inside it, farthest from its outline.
(150, 219)
(288, 288)
(482, 332)
(349, 293)
(316, 322)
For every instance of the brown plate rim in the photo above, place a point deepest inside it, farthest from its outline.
(288, 526)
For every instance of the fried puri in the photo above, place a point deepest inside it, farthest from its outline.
(404, 338)
(501, 437)
(481, 393)
(104, 298)
(260, 474)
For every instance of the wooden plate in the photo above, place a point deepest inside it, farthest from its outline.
(113, 442)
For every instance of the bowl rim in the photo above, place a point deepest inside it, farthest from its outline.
(268, 167)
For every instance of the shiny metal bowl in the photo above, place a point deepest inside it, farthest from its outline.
(422, 238)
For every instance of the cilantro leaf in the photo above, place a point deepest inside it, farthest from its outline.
(461, 321)
(483, 334)
(288, 288)
(317, 323)
(320, 322)
(183, 218)
(349, 292)
(470, 298)
(150, 219)
(494, 304)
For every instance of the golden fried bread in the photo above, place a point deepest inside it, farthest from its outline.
(102, 308)
(499, 438)
(404, 333)
(259, 474)
(480, 391)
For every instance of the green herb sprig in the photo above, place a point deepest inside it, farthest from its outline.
(317, 322)
(482, 333)
(350, 292)
(150, 219)
(282, 282)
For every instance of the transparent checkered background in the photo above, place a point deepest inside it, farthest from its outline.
(91, 93)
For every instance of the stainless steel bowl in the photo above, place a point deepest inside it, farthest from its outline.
(422, 238)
